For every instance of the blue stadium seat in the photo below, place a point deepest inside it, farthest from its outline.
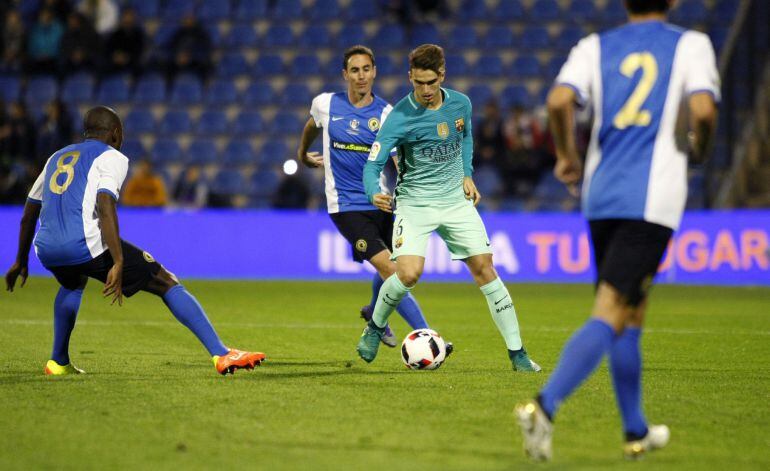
(258, 94)
(473, 10)
(286, 123)
(278, 36)
(489, 66)
(689, 12)
(10, 88)
(362, 10)
(385, 66)
(349, 35)
(553, 67)
(251, 10)
(507, 11)
(263, 183)
(324, 10)
(462, 36)
(718, 37)
(456, 65)
(268, 65)
(287, 10)
(305, 65)
(113, 90)
(425, 33)
(232, 64)
(525, 66)
(78, 88)
(166, 151)
(248, 123)
(568, 37)
(515, 95)
(614, 13)
(175, 122)
(150, 89)
(535, 37)
(545, 10)
(228, 182)
(212, 122)
(214, 10)
(239, 152)
(242, 36)
(187, 90)
(389, 36)
(175, 9)
(488, 181)
(146, 9)
(41, 90)
(221, 93)
(202, 152)
(163, 34)
(296, 94)
(499, 37)
(479, 94)
(582, 11)
(133, 149)
(549, 189)
(274, 152)
(140, 120)
(724, 11)
(215, 35)
(400, 92)
(315, 35)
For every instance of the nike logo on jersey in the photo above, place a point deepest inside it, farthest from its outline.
(337, 118)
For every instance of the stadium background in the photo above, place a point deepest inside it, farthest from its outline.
(219, 127)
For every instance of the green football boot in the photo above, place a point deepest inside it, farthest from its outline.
(521, 361)
(369, 342)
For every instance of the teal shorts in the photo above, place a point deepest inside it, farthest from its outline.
(459, 225)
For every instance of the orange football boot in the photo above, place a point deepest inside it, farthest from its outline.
(237, 359)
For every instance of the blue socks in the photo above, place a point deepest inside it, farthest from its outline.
(580, 357)
(407, 308)
(626, 371)
(65, 313)
(189, 312)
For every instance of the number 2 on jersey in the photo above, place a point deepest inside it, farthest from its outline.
(631, 113)
(67, 168)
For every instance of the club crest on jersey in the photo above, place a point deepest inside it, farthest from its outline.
(374, 124)
(459, 124)
(443, 130)
(354, 124)
(375, 150)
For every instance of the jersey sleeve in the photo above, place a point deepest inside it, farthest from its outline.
(701, 74)
(319, 109)
(468, 141)
(385, 112)
(392, 133)
(36, 193)
(578, 72)
(111, 167)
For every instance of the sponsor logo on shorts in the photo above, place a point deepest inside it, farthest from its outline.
(374, 124)
(361, 245)
(443, 130)
(399, 242)
(350, 146)
(148, 257)
(459, 124)
(375, 150)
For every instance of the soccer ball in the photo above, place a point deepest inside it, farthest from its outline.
(423, 349)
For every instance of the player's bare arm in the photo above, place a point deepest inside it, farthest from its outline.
(703, 122)
(26, 234)
(309, 134)
(561, 116)
(108, 217)
(471, 192)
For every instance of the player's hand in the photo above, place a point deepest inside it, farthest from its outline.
(471, 193)
(114, 284)
(383, 202)
(313, 160)
(569, 170)
(17, 270)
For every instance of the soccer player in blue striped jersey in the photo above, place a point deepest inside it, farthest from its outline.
(432, 129)
(75, 200)
(635, 77)
(350, 121)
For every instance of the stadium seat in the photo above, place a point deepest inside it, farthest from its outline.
(389, 36)
(140, 120)
(456, 65)
(515, 95)
(212, 122)
(163, 34)
(489, 66)
(315, 36)
(263, 183)
(258, 94)
(349, 35)
(285, 123)
(385, 66)
(362, 10)
(175, 122)
(214, 10)
(175, 9)
(499, 37)
(582, 11)
(295, 94)
(724, 11)
(150, 89)
(228, 182)
(507, 11)
(462, 37)
(268, 65)
(133, 149)
(41, 90)
(187, 90)
(232, 64)
(221, 93)
(248, 123)
(166, 151)
(689, 12)
(553, 67)
(305, 65)
(525, 66)
(535, 37)
(400, 92)
(488, 181)
(473, 10)
(274, 153)
(324, 10)
(202, 152)
(146, 9)
(113, 90)
(614, 14)
(287, 10)
(10, 88)
(480, 94)
(545, 10)
(239, 152)
(242, 36)
(251, 10)
(549, 189)
(568, 37)
(215, 35)
(425, 33)
(78, 88)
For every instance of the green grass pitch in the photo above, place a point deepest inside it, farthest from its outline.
(151, 398)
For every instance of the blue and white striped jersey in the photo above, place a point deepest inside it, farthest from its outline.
(348, 134)
(69, 231)
(636, 77)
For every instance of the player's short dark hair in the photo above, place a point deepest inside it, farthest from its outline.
(648, 6)
(427, 57)
(354, 51)
(100, 120)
